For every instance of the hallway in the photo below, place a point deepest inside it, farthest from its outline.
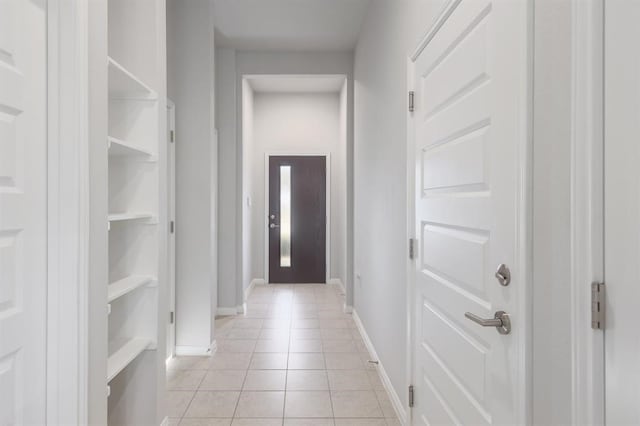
(294, 358)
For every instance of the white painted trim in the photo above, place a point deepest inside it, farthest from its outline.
(347, 309)
(67, 212)
(587, 206)
(267, 156)
(196, 350)
(252, 285)
(165, 422)
(400, 410)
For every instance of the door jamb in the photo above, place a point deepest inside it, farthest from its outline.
(587, 205)
(267, 156)
(67, 352)
(171, 177)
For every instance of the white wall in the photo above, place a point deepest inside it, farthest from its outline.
(264, 63)
(391, 30)
(228, 195)
(300, 123)
(191, 71)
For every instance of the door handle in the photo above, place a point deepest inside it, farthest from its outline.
(501, 321)
(274, 226)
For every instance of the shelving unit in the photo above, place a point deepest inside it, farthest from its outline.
(129, 215)
(128, 284)
(124, 355)
(125, 150)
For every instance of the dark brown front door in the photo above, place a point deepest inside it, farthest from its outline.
(297, 219)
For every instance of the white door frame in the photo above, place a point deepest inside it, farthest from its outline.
(267, 156)
(587, 200)
(524, 222)
(68, 212)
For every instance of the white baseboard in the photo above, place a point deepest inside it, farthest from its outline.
(401, 412)
(225, 312)
(165, 422)
(196, 350)
(252, 285)
(338, 282)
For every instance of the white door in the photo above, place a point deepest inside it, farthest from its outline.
(622, 212)
(23, 211)
(471, 138)
(171, 160)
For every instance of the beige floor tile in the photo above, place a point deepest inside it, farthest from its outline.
(374, 379)
(205, 422)
(343, 361)
(360, 404)
(213, 404)
(248, 323)
(307, 380)
(308, 404)
(272, 345)
(306, 362)
(173, 421)
(349, 380)
(360, 422)
(385, 404)
(223, 380)
(257, 422)
(274, 333)
(243, 333)
(277, 323)
(333, 323)
(339, 346)
(393, 422)
(308, 422)
(336, 334)
(177, 402)
(185, 379)
(304, 323)
(236, 345)
(306, 333)
(261, 404)
(305, 345)
(265, 380)
(188, 363)
(269, 361)
(230, 361)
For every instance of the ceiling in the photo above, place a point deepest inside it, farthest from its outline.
(310, 25)
(296, 84)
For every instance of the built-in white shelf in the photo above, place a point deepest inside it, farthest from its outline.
(125, 355)
(121, 149)
(123, 84)
(128, 216)
(127, 285)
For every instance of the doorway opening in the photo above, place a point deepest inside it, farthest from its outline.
(294, 179)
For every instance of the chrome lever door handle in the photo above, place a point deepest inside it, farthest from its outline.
(500, 321)
(274, 226)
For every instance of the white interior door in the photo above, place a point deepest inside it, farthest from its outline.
(23, 209)
(471, 138)
(171, 196)
(622, 211)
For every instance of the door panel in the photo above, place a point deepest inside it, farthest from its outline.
(23, 208)
(297, 219)
(622, 211)
(470, 136)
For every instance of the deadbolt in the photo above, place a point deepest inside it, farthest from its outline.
(273, 216)
(503, 274)
(501, 321)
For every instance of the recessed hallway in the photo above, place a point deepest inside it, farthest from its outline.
(294, 358)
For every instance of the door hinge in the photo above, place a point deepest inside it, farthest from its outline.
(597, 306)
(172, 136)
(412, 248)
(172, 317)
(172, 227)
(412, 101)
(411, 395)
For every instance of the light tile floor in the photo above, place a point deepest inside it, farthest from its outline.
(294, 359)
